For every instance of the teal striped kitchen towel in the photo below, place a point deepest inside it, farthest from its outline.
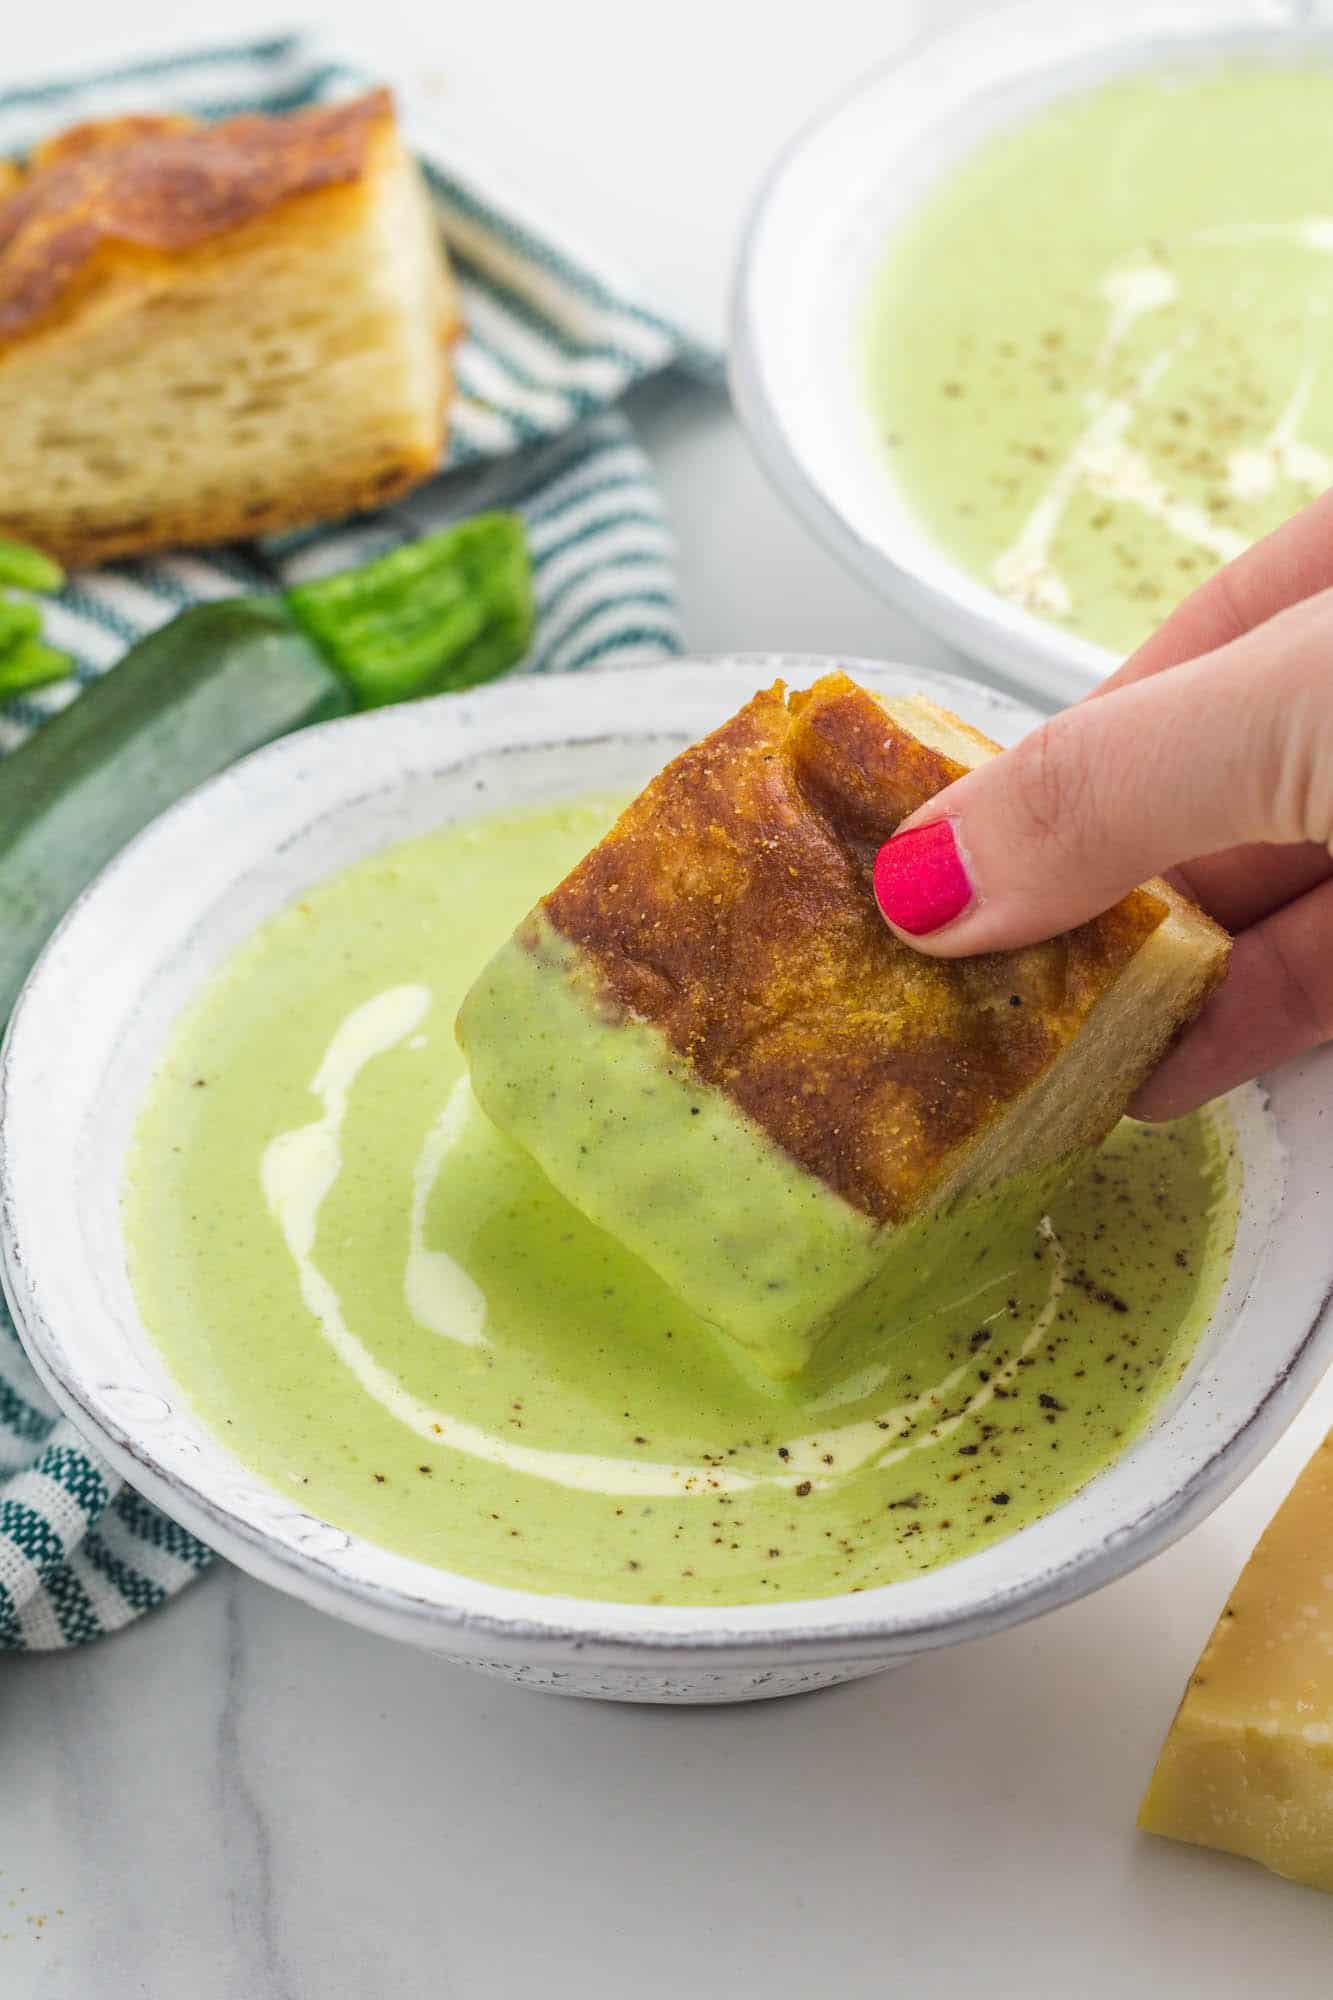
(551, 345)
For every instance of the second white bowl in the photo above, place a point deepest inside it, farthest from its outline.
(818, 234)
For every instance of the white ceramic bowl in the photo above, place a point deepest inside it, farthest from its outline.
(819, 231)
(93, 1019)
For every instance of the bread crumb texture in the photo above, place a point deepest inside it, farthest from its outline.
(215, 331)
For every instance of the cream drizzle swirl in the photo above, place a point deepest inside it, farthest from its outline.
(298, 1170)
(1102, 461)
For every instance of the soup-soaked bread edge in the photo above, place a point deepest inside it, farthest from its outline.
(731, 908)
(217, 331)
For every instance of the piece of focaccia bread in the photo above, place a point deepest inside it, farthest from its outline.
(215, 331)
(716, 1049)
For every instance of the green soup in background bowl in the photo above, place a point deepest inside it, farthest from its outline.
(342, 1305)
(1033, 327)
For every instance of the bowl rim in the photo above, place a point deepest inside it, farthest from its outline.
(1033, 655)
(547, 1625)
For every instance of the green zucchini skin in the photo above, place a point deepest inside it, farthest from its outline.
(217, 682)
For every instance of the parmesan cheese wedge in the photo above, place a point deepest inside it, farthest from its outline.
(1248, 1764)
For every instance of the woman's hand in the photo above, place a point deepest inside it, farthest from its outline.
(1208, 756)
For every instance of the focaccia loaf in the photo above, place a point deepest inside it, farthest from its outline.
(215, 331)
(713, 1045)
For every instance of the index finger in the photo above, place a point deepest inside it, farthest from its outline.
(1294, 562)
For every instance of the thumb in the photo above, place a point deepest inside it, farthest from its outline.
(1235, 747)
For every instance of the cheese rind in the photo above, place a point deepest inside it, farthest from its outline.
(1248, 1764)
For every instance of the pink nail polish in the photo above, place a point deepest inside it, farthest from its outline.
(920, 881)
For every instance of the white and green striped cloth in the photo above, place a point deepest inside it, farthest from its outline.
(551, 345)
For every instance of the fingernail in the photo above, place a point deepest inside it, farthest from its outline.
(920, 881)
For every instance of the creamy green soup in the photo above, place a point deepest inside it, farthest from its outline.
(386, 1309)
(1099, 353)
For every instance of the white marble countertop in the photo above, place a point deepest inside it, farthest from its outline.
(241, 1800)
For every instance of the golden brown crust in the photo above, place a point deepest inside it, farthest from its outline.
(149, 187)
(101, 135)
(731, 906)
